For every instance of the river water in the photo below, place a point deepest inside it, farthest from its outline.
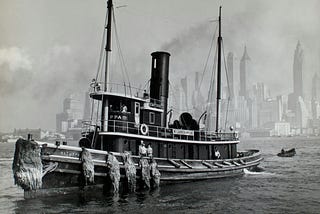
(287, 185)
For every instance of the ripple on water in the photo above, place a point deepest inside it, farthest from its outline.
(287, 185)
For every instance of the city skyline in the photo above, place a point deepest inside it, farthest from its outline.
(56, 53)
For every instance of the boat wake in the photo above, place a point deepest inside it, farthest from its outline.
(6, 159)
(257, 171)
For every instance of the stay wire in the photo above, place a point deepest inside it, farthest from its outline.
(228, 84)
(208, 56)
(211, 90)
(102, 46)
(122, 61)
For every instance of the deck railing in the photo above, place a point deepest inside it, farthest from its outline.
(126, 90)
(117, 88)
(169, 133)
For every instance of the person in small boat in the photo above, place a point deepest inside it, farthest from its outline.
(282, 151)
(149, 151)
(217, 154)
(142, 149)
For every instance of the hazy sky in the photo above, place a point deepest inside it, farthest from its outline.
(50, 48)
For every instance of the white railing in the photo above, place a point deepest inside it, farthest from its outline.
(162, 132)
(124, 89)
(117, 88)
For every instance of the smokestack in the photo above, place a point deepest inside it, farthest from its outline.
(159, 84)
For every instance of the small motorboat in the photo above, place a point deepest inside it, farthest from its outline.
(288, 153)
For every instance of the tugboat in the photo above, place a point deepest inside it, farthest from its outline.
(134, 145)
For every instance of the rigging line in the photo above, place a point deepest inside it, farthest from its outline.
(147, 83)
(101, 54)
(92, 106)
(212, 80)
(102, 45)
(173, 95)
(225, 67)
(209, 54)
(211, 89)
(120, 52)
(95, 130)
(228, 83)
(181, 110)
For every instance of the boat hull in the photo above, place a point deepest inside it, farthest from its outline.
(65, 172)
(289, 153)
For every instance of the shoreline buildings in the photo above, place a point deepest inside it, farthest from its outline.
(254, 112)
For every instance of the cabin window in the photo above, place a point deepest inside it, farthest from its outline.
(137, 108)
(152, 117)
(154, 63)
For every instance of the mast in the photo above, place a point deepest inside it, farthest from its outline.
(219, 75)
(104, 107)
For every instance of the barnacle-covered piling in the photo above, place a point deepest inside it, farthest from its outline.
(27, 165)
(87, 167)
(130, 172)
(113, 174)
(155, 174)
(145, 173)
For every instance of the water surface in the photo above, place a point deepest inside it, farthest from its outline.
(288, 185)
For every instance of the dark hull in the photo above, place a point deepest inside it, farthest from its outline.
(66, 175)
(289, 153)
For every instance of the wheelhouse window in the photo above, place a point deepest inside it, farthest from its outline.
(152, 117)
(137, 108)
(119, 105)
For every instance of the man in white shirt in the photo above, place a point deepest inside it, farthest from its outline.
(142, 149)
(149, 151)
(217, 154)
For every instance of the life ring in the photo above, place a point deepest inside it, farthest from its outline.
(144, 129)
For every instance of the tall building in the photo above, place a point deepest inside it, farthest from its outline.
(259, 92)
(297, 79)
(230, 74)
(315, 96)
(295, 100)
(198, 101)
(87, 107)
(71, 115)
(297, 71)
(243, 73)
(315, 87)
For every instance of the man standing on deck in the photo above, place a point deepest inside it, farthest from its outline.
(142, 149)
(149, 151)
(217, 154)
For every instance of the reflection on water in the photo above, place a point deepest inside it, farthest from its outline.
(286, 185)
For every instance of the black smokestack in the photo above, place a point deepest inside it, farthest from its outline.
(159, 84)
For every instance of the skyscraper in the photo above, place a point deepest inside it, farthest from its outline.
(230, 74)
(297, 71)
(315, 96)
(315, 87)
(296, 103)
(243, 73)
(297, 79)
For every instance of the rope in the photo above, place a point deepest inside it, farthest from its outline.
(122, 61)
(97, 117)
(209, 54)
(102, 46)
(211, 88)
(228, 84)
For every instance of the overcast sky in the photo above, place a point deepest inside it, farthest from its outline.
(50, 48)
